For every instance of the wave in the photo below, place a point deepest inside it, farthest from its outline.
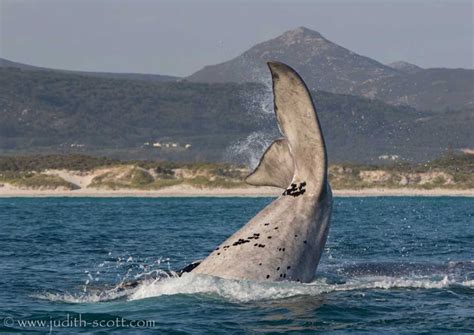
(249, 291)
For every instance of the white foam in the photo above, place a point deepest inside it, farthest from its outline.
(245, 291)
(468, 283)
(237, 290)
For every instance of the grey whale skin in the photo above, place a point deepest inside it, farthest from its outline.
(286, 239)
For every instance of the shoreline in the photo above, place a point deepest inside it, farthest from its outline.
(223, 192)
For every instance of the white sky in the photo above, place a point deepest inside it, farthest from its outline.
(180, 37)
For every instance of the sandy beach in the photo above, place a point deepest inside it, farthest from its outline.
(188, 191)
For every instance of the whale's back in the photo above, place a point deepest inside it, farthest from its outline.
(282, 242)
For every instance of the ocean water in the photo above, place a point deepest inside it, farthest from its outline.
(391, 265)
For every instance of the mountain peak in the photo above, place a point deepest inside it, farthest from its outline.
(300, 32)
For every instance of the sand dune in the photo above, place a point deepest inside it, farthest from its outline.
(83, 186)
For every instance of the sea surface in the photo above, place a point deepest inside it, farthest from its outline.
(392, 265)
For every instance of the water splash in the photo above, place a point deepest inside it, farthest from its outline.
(248, 291)
(110, 279)
(163, 283)
(258, 108)
(249, 150)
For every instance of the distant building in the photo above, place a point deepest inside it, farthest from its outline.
(389, 157)
(168, 145)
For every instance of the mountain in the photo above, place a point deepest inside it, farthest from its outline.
(329, 67)
(58, 112)
(5, 63)
(325, 65)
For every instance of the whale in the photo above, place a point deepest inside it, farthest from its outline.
(285, 240)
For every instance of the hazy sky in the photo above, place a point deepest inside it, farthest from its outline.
(180, 37)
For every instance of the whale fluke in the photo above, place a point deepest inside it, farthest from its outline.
(276, 167)
(301, 154)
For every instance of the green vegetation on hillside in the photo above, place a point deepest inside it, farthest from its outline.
(46, 111)
(43, 162)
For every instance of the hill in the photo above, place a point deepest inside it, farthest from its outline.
(5, 63)
(329, 67)
(59, 112)
(436, 89)
(49, 112)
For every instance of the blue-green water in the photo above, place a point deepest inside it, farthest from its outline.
(391, 265)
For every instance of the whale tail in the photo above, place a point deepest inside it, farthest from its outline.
(300, 156)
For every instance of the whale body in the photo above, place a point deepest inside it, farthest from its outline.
(286, 239)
